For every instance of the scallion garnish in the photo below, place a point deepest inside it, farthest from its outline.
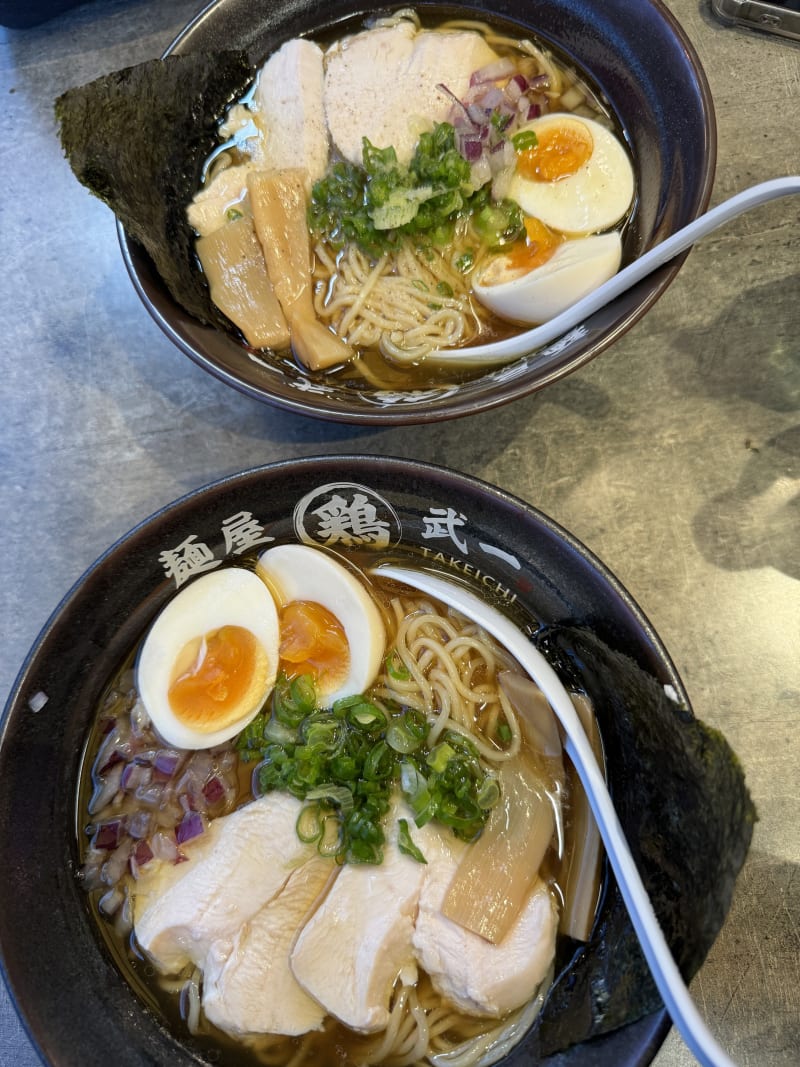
(346, 761)
(405, 842)
(524, 140)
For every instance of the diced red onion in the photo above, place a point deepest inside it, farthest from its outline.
(142, 854)
(117, 863)
(151, 794)
(167, 762)
(107, 836)
(106, 789)
(541, 81)
(498, 68)
(163, 846)
(111, 901)
(492, 98)
(140, 825)
(471, 149)
(190, 826)
(514, 91)
(135, 777)
(213, 790)
(477, 114)
(534, 111)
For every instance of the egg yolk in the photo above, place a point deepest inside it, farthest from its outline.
(560, 152)
(540, 245)
(215, 677)
(313, 642)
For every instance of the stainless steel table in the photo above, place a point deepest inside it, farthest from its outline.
(675, 456)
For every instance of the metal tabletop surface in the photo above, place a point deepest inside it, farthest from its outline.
(674, 456)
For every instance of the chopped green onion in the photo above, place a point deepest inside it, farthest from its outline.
(439, 757)
(504, 732)
(366, 716)
(404, 735)
(465, 262)
(406, 844)
(379, 764)
(489, 793)
(309, 824)
(444, 289)
(330, 841)
(524, 140)
(293, 699)
(395, 667)
(339, 795)
(232, 214)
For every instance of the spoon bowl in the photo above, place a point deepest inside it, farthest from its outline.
(675, 995)
(498, 353)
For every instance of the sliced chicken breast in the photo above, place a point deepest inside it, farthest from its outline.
(251, 989)
(350, 952)
(478, 977)
(232, 870)
(382, 84)
(288, 105)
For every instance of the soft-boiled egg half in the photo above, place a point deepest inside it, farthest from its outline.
(210, 659)
(573, 181)
(330, 627)
(577, 178)
(570, 271)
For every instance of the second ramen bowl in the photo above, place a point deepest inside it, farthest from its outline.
(637, 56)
(688, 825)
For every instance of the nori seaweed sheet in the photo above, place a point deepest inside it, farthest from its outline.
(682, 800)
(137, 139)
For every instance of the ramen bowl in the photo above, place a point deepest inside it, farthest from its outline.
(64, 972)
(646, 72)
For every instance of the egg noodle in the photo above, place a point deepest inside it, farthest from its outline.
(406, 303)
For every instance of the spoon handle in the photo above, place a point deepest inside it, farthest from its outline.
(671, 986)
(524, 343)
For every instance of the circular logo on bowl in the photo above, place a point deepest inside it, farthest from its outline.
(346, 514)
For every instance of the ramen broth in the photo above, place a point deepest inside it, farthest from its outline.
(220, 780)
(390, 307)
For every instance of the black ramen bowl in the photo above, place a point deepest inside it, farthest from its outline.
(79, 1009)
(637, 56)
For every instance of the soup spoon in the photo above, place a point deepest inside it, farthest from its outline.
(671, 986)
(498, 353)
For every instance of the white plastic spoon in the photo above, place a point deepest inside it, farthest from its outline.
(674, 993)
(497, 353)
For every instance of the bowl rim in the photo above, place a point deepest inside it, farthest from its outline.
(449, 403)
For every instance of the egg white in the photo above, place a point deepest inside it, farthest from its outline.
(229, 597)
(574, 270)
(300, 572)
(595, 198)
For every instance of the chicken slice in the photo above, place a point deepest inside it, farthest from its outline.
(478, 977)
(288, 106)
(350, 952)
(383, 84)
(232, 870)
(252, 990)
